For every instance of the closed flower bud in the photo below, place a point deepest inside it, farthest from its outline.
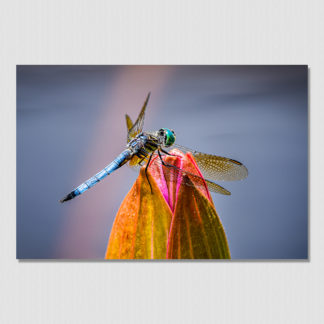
(163, 218)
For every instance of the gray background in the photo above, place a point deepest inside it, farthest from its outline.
(70, 124)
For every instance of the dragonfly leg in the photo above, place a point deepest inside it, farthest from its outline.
(167, 164)
(165, 152)
(141, 161)
(163, 163)
(147, 165)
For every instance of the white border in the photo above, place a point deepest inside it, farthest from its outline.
(164, 32)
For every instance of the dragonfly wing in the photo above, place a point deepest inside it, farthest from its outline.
(129, 124)
(214, 187)
(174, 174)
(137, 128)
(220, 168)
(217, 167)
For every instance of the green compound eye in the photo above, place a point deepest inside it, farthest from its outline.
(169, 137)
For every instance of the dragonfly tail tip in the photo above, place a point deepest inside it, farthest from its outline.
(70, 196)
(62, 200)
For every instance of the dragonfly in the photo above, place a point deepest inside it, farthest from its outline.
(144, 148)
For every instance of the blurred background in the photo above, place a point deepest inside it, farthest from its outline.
(71, 124)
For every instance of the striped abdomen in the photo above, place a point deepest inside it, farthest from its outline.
(121, 159)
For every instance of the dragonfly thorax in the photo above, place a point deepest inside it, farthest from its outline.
(138, 142)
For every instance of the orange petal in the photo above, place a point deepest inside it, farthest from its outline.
(141, 227)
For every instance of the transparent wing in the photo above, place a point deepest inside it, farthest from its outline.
(172, 173)
(217, 167)
(135, 129)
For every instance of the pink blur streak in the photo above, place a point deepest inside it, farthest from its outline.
(86, 218)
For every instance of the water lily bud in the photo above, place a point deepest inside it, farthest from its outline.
(169, 219)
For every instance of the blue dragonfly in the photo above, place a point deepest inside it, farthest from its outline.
(143, 146)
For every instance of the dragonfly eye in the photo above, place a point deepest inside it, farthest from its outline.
(169, 137)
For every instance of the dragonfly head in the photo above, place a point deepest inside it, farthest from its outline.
(168, 136)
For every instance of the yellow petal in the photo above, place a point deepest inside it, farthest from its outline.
(141, 227)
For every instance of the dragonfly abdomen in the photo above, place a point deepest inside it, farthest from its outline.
(120, 160)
